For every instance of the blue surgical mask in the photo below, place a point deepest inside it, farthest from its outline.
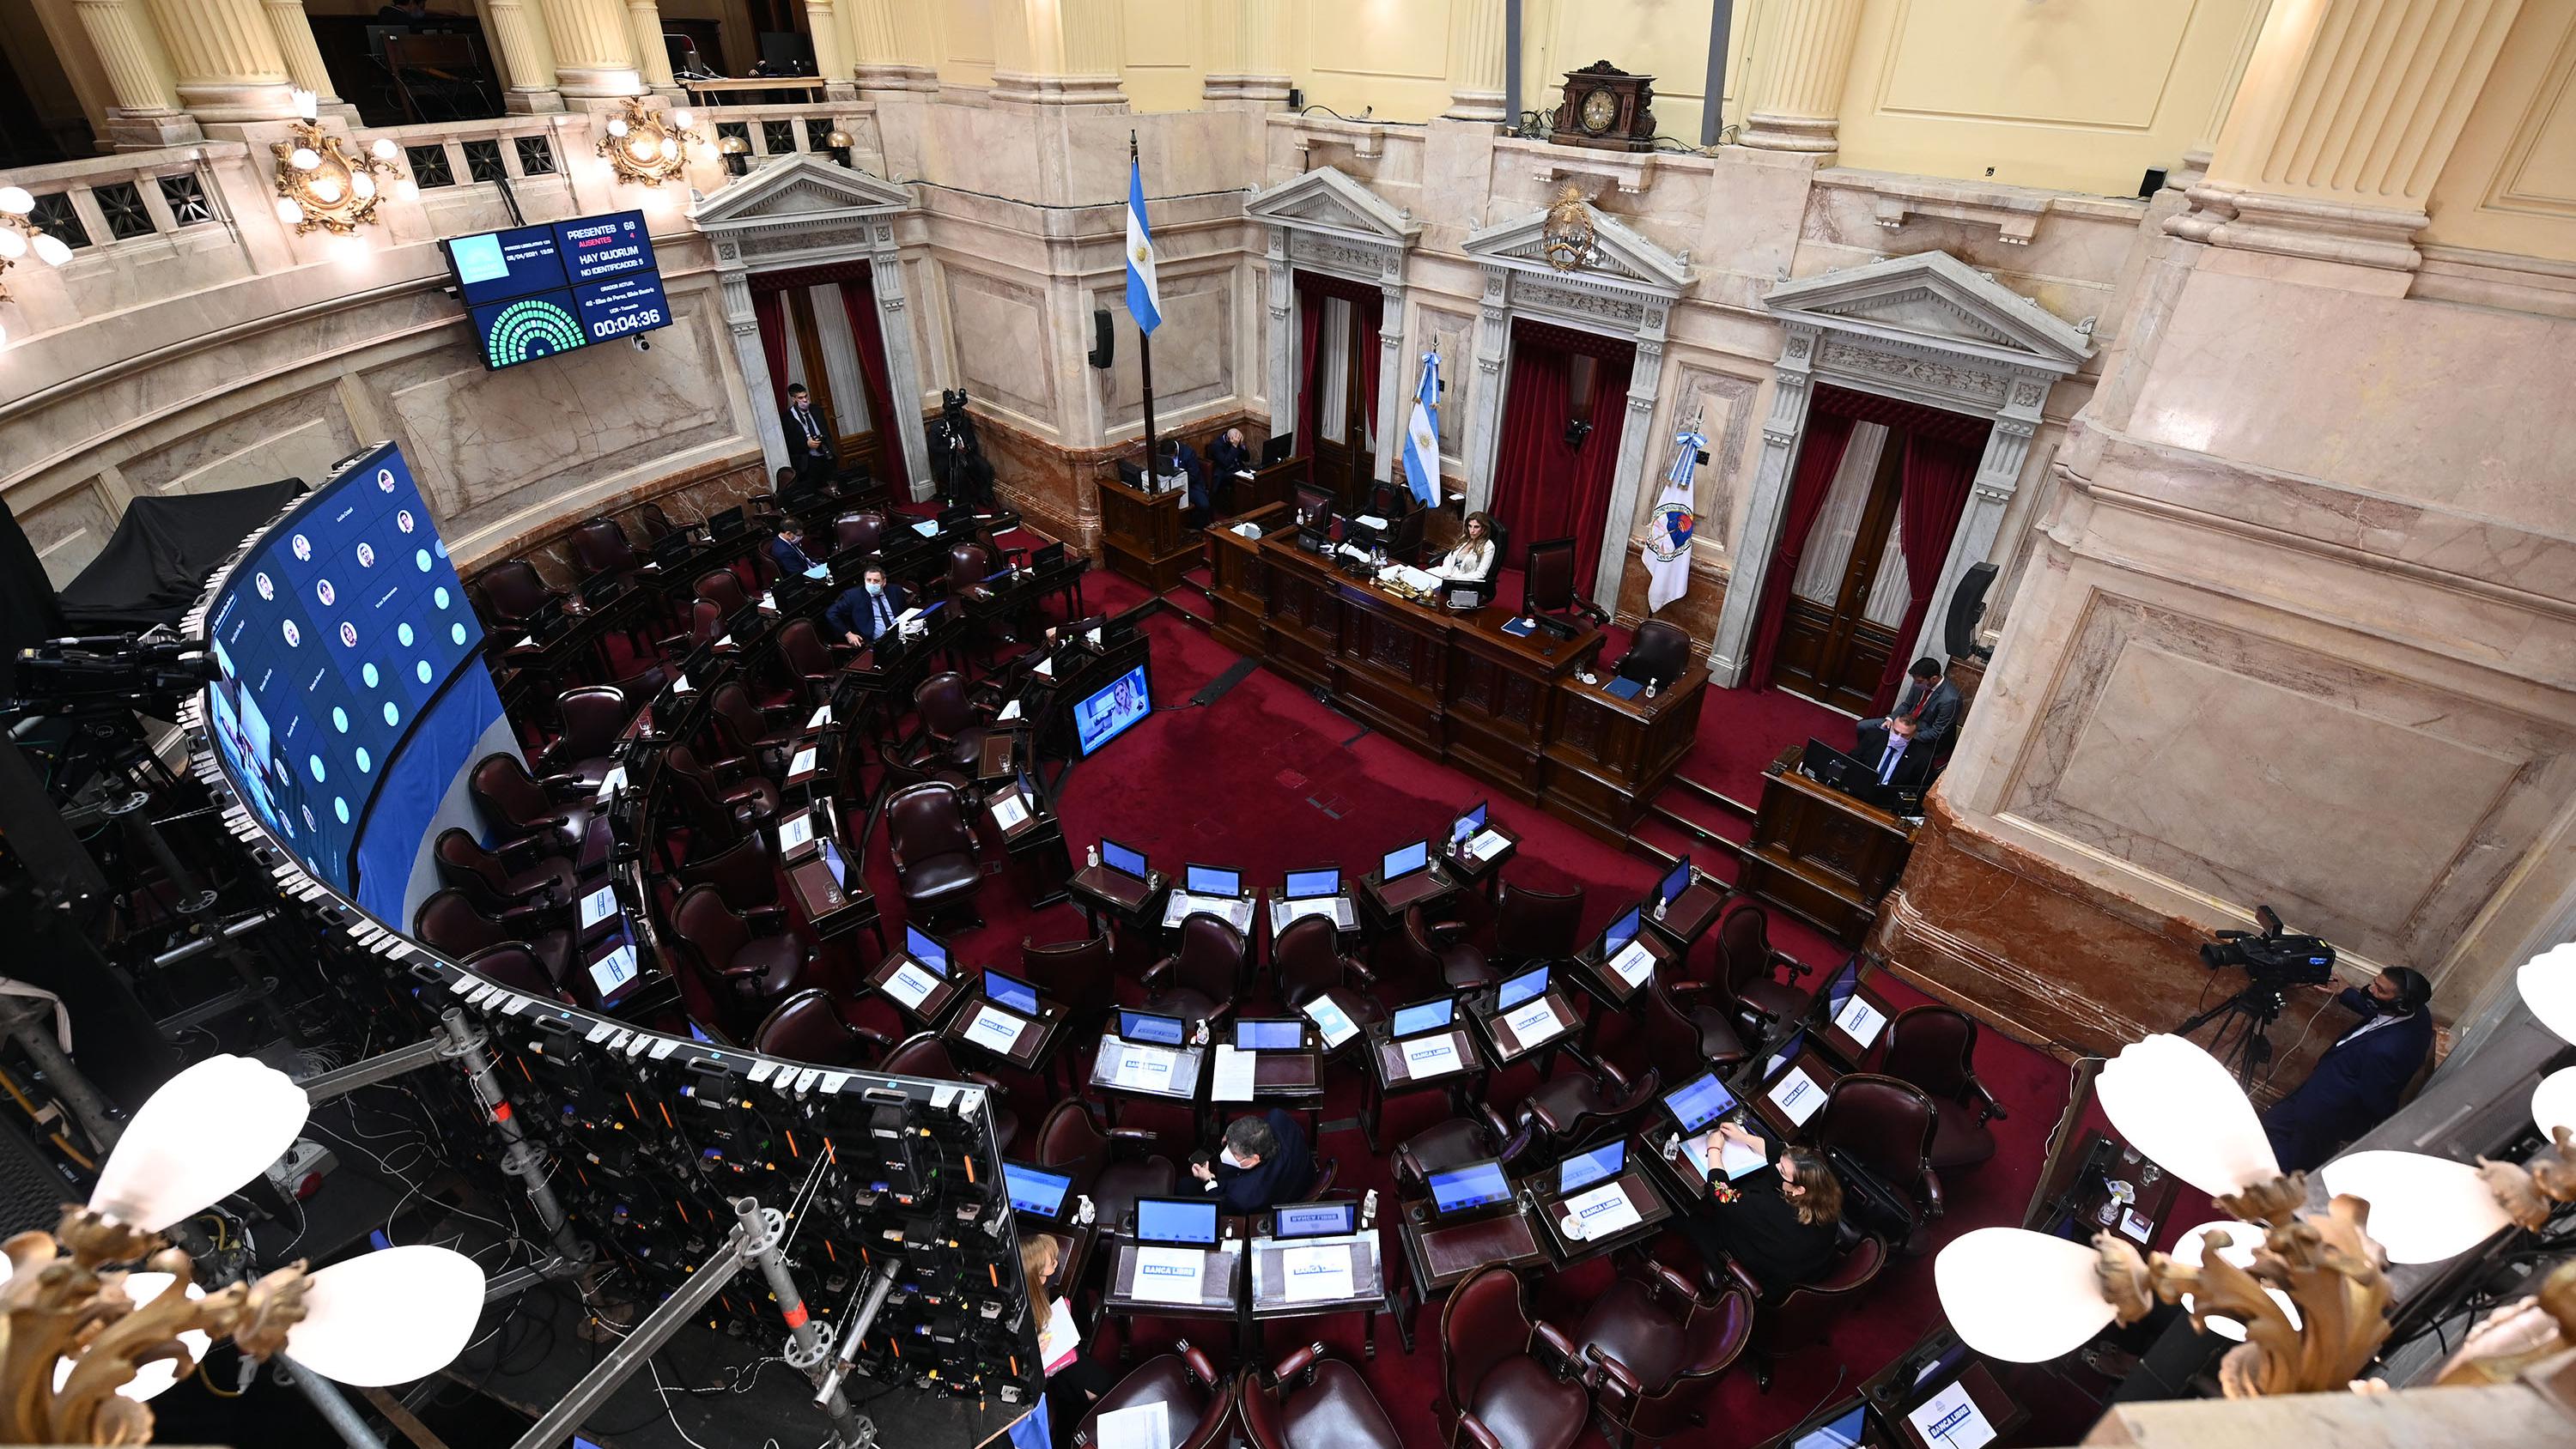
(875, 588)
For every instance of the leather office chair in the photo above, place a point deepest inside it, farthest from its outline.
(952, 731)
(1744, 937)
(1203, 978)
(1309, 1401)
(1794, 1316)
(513, 965)
(490, 882)
(1882, 1127)
(599, 546)
(968, 566)
(863, 532)
(1200, 1400)
(740, 872)
(1421, 957)
(1492, 582)
(513, 593)
(1535, 925)
(1308, 962)
(810, 658)
(1935, 1048)
(1081, 974)
(1445, 1146)
(1658, 656)
(808, 1028)
(706, 626)
(525, 812)
(657, 524)
(1571, 1107)
(723, 588)
(1404, 540)
(449, 922)
(923, 1054)
(592, 717)
(721, 802)
(749, 974)
(1683, 1034)
(934, 849)
(1070, 1142)
(1656, 1345)
(746, 731)
(1497, 1392)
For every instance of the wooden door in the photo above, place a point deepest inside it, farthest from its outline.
(1345, 460)
(1830, 649)
(854, 445)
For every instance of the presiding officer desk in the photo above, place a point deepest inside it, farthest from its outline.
(1452, 684)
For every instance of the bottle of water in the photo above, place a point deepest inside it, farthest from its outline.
(1368, 1211)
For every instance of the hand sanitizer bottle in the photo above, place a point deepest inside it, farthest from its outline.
(1085, 1212)
(1368, 1211)
(1093, 855)
(1662, 904)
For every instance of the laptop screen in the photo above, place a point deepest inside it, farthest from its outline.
(1472, 1186)
(1304, 885)
(1526, 986)
(1012, 992)
(1675, 881)
(1850, 1431)
(1586, 1168)
(1696, 1103)
(1269, 1034)
(1210, 880)
(1034, 1189)
(1787, 1053)
(1424, 1016)
(1315, 1219)
(1121, 859)
(1143, 1026)
(1621, 932)
(1176, 1220)
(1466, 825)
(1838, 991)
(1404, 860)
(925, 950)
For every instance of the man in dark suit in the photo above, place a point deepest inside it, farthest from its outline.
(787, 550)
(1264, 1162)
(1902, 761)
(809, 444)
(1227, 456)
(1929, 699)
(863, 613)
(2359, 1080)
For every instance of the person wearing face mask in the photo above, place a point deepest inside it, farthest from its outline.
(863, 613)
(1781, 1225)
(2362, 1078)
(1262, 1162)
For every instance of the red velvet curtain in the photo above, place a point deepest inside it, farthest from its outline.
(1310, 331)
(771, 313)
(859, 299)
(1531, 451)
(1828, 433)
(1591, 469)
(1542, 488)
(1937, 472)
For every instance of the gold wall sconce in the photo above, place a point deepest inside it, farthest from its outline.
(20, 236)
(323, 185)
(648, 147)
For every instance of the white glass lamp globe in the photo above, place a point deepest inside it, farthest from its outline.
(150, 1379)
(52, 250)
(2548, 983)
(617, 125)
(682, 119)
(670, 148)
(326, 189)
(2176, 1105)
(388, 1317)
(289, 210)
(209, 1129)
(2422, 1209)
(2020, 1296)
(406, 190)
(2243, 1240)
(16, 200)
(304, 158)
(2553, 1102)
(384, 148)
(362, 186)
(13, 243)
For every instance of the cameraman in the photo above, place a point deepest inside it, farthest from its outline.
(2356, 1084)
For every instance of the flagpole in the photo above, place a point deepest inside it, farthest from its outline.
(1145, 374)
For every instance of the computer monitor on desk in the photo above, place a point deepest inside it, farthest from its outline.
(1275, 451)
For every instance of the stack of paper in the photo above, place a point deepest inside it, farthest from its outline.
(1062, 1337)
(911, 985)
(1634, 963)
(1146, 1426)
(1797, 1095)
(1008, 812)
(1951, 1420)
(1232, 1080)
(994, 1028)
(1534, 1022)
(598, 906)
(803, 763)
(1737, 1160)
(1602, 1211)
(1143, 1066)
(1314, 1275)
(1430, 1057)
(798, 829)
(1859, 1020)
(1168, 1275)
(1488, 845)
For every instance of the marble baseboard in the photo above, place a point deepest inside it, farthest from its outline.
(1057, 488)
(1695, 611)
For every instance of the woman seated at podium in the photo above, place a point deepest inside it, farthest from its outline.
(1472, 561)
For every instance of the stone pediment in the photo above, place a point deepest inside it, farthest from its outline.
(1934, 298)
(1627, 259)
(1326, 200)
(798, 188)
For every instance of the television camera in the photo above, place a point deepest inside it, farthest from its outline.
(2273, 961)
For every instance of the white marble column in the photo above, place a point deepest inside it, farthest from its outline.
(903, 360)
(303, 58)
(1059, 52)
(1279, 293)
(225, 59)
(145, 113)
(594, 49)
(1394, 382)
(876, 46)
(1484, 439)
(652, 57)
(1476, 61)
(1792, 389)
(1637, 443)
(829, 61)
(1803, 60)
(1248, 46)
(743, 323)
(527, 60)
(1990, 496)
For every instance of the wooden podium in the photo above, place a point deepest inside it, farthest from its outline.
(1142, 535)
(1822, 854)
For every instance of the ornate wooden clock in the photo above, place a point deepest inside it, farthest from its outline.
(1606, 108)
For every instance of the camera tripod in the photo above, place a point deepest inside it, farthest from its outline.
(2243, 1041)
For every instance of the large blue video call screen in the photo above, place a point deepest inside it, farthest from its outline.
(350, 685)
(535, 291)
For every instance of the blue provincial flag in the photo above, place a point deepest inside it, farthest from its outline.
(1666, 552)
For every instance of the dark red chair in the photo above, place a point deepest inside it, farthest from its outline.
(591, 719)
(1497, 1392)
(952, 728)
(448, 922)
(807, 1027)
(1446, 1146)
(1684, 1034)
(1308, 962)
(746, 731)
(1796, 1315)
(1533, 925)
(1421, 957)
(1935, 1048)
(1200, 1400)
(968, 566)
(862, 532)
(493, 883)
(717, 805)
(923, 1054)
(723, 588)
(1744, 939)
(512, 965)
(706, 626)
(934, 850)
(1312, 1402)
(1070, 1142)
(1202, 980)
(1081, 974)
(750, 974)
(656, 523)
(599, 546)
(1883, 1127)
(740, 872)
(526, 813)
(1574, 1106)
(1659, 654)
(1656, 1345)
(810, 658)
(513, 593)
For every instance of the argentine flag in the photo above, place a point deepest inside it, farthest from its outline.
(1422, 435)
(1143, 302)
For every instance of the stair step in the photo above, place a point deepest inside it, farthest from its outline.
(1713, 796)
(1699, 832)
(1696, 814)
(1655, 838)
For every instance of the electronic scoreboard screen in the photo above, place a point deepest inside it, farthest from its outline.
(535, 291)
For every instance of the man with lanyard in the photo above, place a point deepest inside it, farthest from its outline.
(806, 446)
(2362, 1078)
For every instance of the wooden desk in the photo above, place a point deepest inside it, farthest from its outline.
(1689, 917)
(1142, 536)
(1821, 854)
(1441, 1254)
(1175, 1073)
(1220, 1281)
(1260, 487)
(935, 1003)
(1390, 1072)
(1271, 1301)
(1787, 1107)
(833, 906)
(1607, 755)
(1239, 578)
(1506, 1046)
(1652, 1212)
(1100, 892)
(1032, 1052)
(1483, 872)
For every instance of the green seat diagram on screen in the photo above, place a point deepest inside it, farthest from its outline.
(532, 327)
